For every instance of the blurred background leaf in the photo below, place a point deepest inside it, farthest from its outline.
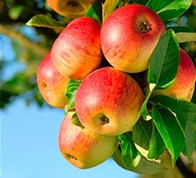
(22, 49)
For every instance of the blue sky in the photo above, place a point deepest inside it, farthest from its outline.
(30, 148)
(29, 141)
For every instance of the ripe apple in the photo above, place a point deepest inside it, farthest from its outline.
(129, 36)
(51, 83)
(81, 147)
(77, 50)
(184, 83)
(70, 8)
(108, 101)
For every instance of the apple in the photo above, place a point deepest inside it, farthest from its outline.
(108, 101)
(81, 147)
(77, 50)
(184, 83)
(70, 8)
(129, 36)
(51, 83)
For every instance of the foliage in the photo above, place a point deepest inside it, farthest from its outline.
(168, 124)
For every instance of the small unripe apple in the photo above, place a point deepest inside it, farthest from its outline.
(129, 36)
(81, 147)
(70, 8)
(108, 101)
(184, 83)
(77, 50)
(51, 83)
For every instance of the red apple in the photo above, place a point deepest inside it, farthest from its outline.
(129, 36)
(77, 50)
(51, 84)
(70, 8)
(184, 83)
(82, 148)
(108, 101)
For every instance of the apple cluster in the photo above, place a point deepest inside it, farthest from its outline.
(105, 58)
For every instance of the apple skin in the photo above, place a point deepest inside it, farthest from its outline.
(108, 101)
(129, 36)
(82, 148)
(77, 50)
(70, 8)
(51, 83)
(184, 83)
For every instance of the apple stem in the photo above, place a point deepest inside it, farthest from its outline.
(145, 27)
(72, 3)
(104, 119)
(70, 156)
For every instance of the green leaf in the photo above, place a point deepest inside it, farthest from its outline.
(95, 11)
(126, 2)
(189, 112)
(144, 109)
(170, 131)
(188, 109)
(76, 121)
(157, 146)
(178, 29)
(183, 109)
(71, 94)
(144, 2)
(193, 99)
(130, 155)
(47, 22)
(108, 7)
(16, 11)
(142, 132)
(152, 4)
(183, 37)
(190, 138)
(144, 166)
(164, 61)
(163, 66)
(174, 9)
(186, 116)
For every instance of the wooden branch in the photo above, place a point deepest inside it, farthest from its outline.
(23, 40)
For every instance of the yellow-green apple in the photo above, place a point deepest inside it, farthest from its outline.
(129, 36)
(70, 8)
(81, 147)
(77, 50)
(51, 83)
(108, 101)
(184, 83)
